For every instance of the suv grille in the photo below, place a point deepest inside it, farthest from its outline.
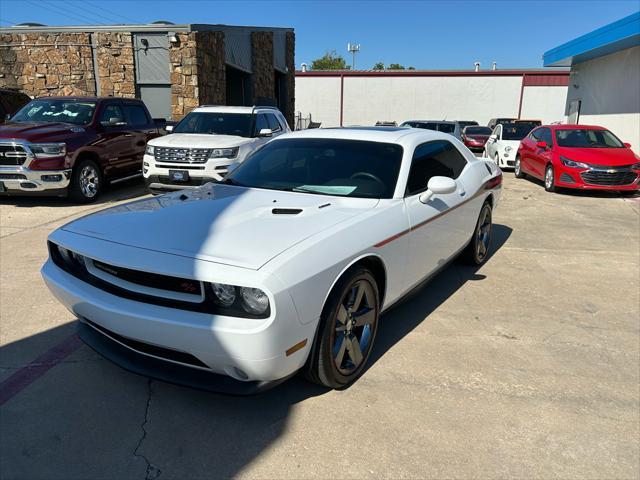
(182, 155)
(12, 154)
(601, 177)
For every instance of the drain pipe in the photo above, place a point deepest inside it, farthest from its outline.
(94, 63)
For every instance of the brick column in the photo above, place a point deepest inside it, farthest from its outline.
(263, 73)
(291, 79)
(212, 88)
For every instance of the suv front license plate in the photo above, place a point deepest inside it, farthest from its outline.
(179, 175)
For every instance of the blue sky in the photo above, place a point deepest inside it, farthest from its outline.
(426, 34)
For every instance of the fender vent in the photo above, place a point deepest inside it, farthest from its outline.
(286, 211)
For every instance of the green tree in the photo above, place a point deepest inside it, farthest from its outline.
(330, 61)
(396, 66)
(378, 66)
(411, 68)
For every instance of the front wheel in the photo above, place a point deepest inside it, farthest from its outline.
(497, 159)
(550, 179)
(477, 251)
(346, 332)
(86, 182)
(517, 169)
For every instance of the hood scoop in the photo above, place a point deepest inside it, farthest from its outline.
(286, 211)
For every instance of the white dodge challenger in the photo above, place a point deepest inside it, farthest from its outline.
(284, 266)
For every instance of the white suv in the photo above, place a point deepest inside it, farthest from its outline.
(206, 144)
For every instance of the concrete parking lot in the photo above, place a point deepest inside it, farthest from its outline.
(526, 367)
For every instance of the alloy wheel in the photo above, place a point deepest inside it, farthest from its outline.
(548, 178)
(483, 234)
(517, 166)
(89, 181)
(354, 327)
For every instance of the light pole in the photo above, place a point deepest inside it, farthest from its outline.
(353, 49)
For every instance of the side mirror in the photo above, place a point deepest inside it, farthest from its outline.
(626, 144)
(265, 132)
(169, 128)
(493, 137)
(542, 145)
(438, 186)
(113, 122)
(7, 117)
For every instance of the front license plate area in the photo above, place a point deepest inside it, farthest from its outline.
(179, 175)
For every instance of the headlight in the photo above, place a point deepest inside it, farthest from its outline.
(224, 152)
(635, 166)
(508, 148)
(570, 163)
(235, 301)
(48, 150)
(150, 150)
(254, 300)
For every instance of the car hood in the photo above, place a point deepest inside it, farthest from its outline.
(608, 157)
(39, 131)
(200, 140)
(221, 223)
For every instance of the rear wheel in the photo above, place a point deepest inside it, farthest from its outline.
(86, 182)
(477, 251)
(517, 169)
(550, 179)
(346, 332)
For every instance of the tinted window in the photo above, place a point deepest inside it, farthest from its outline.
(446, 127)
(137, 115)
(274, 125)
(545, 136)
(2, 113)
(350, 168)
(514, 131)
(221, 123)
(477, 131)
(586, 138)
(112, 112)
(432, 159)
(50, 110)
(261, 122)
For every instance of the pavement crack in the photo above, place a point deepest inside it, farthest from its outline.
(152, 472)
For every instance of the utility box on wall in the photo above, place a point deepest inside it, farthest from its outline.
(172, 68)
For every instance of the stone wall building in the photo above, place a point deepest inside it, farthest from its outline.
(173, 68)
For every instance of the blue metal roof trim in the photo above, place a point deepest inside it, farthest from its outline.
(619, 35)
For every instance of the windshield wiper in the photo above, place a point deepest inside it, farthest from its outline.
(231, 181)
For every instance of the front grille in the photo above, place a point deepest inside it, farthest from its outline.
(182, 155)
(12, 176)
(12, 154)
(612, 178)
(192, 182)
(149, 349)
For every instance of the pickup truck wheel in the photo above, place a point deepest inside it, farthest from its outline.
(346, 332)
(86, 182)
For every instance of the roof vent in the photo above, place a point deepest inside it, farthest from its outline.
(286, 211)
(162, 22)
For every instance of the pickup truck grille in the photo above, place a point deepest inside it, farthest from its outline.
(11, 154)
(182, 155)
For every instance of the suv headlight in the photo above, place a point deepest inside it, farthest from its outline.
(150, 150)
(635, 166)
(570, 163)
(235, 301)
(48, 150)
(224, 152)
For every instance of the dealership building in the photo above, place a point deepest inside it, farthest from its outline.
(604, 82)
(173, 68)
(335, 98)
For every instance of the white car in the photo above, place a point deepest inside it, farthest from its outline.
(284, 266)
(504, 141)
(206, 144)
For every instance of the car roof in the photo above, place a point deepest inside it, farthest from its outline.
(234, 109)
(450, 122)
(372, 134)
(89, 99)
(565, 126)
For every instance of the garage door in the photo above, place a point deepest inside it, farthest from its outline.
(153, 79)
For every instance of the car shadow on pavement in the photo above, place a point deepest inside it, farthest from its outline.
(126, 190)
(413, 309)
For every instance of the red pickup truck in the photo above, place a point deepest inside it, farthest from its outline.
(74, 145)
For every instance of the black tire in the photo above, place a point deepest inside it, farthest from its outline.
(86, 182)
(336, 360)
(477, 251)
(550, 179)
(629, 193)
(517, 168)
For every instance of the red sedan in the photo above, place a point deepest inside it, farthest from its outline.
(578, 156)
(474, 137)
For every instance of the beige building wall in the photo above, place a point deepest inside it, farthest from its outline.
(609, 91)
(544, 103)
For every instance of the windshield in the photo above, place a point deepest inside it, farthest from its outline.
(515, 131)
(349, 168)
(67, 111)
(477, 131)
(238, 124)
(584, 138)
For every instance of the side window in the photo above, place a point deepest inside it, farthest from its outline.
(536, 134)
(137, 117)
(545, 136)
(110, 112)
(2, 113)
(261, 122)
(439, 158)
(274, 125)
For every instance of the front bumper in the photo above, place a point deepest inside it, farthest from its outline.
(20, 179)
(613, 179)
(251, 351)
(157, 174)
